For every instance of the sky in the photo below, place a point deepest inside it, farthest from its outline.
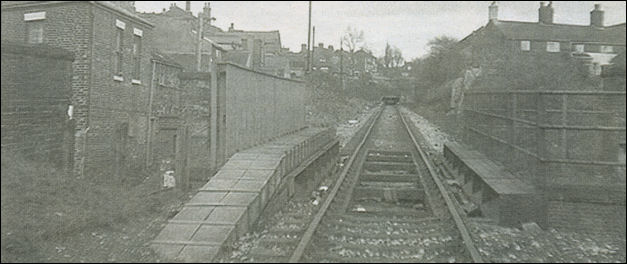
(406, 25)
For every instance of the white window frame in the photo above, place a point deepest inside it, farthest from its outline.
(35, 16)
(525, 45)
(552, 46)
(120, 24)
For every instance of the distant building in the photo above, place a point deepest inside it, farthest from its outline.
(110, 77)
(595, 44)
(176, 35)
(364, 62)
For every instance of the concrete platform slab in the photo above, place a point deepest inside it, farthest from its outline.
(219, 184)
(194, 213)
(212, 234)
(249, 185)
(229, 173)
(208, 197)
(193, 253)
(239, 198)
(176, 232)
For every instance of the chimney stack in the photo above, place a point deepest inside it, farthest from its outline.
(493, 12)
(188, 6)
(331, 47)
(232, 27)
(206, 11)
(596, 16)
(303, 48)
(321, 45)
(545, 13)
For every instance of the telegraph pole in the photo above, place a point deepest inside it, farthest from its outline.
(309, 40)
(313, 45)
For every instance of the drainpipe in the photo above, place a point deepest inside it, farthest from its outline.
(149, 124)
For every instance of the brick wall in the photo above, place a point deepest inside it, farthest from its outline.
(67, 26)
(115, 105)
(102, 106)
(36, 92)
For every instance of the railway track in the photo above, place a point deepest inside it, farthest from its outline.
(387, 205)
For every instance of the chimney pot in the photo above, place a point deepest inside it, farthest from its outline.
(596, 16)
(545, 13)
(493, 12)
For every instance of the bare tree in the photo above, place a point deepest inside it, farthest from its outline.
(393, 57)
(353, 39)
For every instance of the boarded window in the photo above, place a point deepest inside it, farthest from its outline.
(579, 48)
(119, 42)
(525, 45)
(35, 32)
(553, 46)
(137, 51)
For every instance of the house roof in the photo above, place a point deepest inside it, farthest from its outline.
(165, 59)
(271, 39)
(240, 57)
(537, 31)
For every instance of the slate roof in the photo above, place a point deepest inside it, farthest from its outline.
(576, 33)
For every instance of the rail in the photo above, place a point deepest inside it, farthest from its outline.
(459, 223)
(308, 235)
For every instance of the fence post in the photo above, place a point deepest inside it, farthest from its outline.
(513, 139)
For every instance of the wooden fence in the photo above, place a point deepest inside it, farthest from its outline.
(555, 138)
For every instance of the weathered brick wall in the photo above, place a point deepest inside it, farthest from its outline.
(68, 26)
(196, 98)
(36, 92)
(116, 104)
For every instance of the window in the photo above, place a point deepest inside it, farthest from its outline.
(137, 51)
(553, 46)
(607, 49)
(579, 48)
(119, 42)
(34, 32)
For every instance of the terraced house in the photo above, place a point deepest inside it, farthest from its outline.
(111, 74)
(594, 44)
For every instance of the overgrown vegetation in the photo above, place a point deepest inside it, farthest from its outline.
(42, 206)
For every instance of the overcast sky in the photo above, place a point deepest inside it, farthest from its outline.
(407, 25)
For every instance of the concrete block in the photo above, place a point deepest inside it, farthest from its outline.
(196, 213)
(229, 174)
(260, 175)
(219, 184)
(208, 197)
(249, 185)
(176, 232)
(167, 251)
(231, 214)
(264, 164)
(239, 198)
(193, 253)
(237, 164)
(245, 156)
(212, 234)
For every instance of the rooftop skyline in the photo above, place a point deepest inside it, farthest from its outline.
(407, 25)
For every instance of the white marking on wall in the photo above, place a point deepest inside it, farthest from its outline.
(120, 24)
(35, 16)
(138, 32)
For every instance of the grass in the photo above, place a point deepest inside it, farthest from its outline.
(42, 206)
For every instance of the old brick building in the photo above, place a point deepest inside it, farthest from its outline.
(36, 93)
(110, 79)
(594, 44)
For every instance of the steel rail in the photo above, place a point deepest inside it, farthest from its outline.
(308, 235)
(459, 223)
